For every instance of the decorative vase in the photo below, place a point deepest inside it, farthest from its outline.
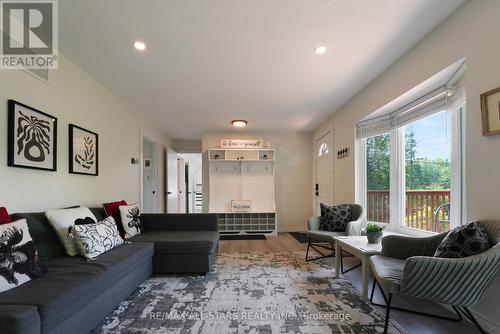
(374, 237)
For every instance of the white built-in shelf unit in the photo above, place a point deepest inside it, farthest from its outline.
(243, 175)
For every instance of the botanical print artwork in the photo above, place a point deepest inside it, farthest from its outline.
(83, 151)
(32, 137)
(86, 160)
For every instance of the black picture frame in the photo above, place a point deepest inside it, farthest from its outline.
(45, 141)
(92, 160)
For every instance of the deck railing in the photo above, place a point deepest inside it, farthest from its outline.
(420, 208)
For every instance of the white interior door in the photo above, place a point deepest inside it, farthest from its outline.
(324, 171)
(149, 181)
(181, 184)
(172, 197)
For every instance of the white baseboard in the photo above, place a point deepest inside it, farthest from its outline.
(292, 229)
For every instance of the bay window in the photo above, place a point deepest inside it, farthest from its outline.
(410, 162)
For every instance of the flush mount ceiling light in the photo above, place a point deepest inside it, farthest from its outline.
(239, 123)
(320, 50)
(139, 45)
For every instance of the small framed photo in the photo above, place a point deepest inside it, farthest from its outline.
(83, 151)
(32, 138)
(490, 112)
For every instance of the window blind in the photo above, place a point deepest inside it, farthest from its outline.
(448, 96)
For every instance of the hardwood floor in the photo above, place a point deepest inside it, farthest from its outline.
(413, 323)
(284, 242)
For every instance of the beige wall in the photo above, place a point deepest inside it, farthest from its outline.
(293, 173)
(472, 32)
(73, 97)
(186, 146)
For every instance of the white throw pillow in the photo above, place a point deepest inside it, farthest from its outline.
(131, 220)
(63, 220)
(19, 261)
(94, 239)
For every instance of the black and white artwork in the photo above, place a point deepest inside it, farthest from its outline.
(32, 138)
(83, 151)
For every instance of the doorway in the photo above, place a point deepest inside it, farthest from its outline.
(324, 170)
(193, 182)
(149, 177)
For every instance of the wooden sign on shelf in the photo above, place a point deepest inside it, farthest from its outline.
(241, 143)
(241, 206)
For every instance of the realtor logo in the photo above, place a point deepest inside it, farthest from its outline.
(29, 34)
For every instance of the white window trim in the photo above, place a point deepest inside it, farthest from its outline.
(397, 177)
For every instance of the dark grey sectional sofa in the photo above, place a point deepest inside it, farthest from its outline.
(75, 294)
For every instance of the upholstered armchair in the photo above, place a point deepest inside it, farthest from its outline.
(407, 267)
(324, 239)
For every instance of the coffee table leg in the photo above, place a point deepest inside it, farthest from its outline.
(365, 273)
(338, 249)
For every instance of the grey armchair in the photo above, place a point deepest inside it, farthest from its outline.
(324, 239)
(407, 267)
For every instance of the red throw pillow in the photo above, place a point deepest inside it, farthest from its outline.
(112, 209)
(4, 216)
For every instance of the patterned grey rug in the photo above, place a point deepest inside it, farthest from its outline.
(249, 293)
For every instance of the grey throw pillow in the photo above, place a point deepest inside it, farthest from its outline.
(335, 218)
(463, 241)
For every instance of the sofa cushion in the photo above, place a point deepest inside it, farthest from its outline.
(94, 239)
(112, 209)
(4, 216)
(19, 261)
(72, 282)
(131, 220)
(46, 241)
(387, 271)
(180, 242)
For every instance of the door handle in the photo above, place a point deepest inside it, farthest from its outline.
(154, 192)
(169, 193)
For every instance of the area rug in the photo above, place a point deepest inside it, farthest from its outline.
(249, 293)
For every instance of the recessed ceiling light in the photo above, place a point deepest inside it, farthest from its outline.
(320, 50)
(140, 45)
(239, 123)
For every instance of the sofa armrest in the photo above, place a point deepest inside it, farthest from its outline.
(19, 319)
(313, 223)
(403, 247)
(179, 222)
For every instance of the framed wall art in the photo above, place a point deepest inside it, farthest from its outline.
(32, 138)
(490, 112)
(83, 151)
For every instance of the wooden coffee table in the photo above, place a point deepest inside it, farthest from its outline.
(361, 249)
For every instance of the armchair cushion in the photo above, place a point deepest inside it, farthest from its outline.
(335, 218)
(323, 236)
(464, 241)
(387, 271)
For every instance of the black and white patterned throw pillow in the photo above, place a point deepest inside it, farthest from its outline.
(463, 241)
(131, 220)
(94, 239)
(19, 262)
(335, 218)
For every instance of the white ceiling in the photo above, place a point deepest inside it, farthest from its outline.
(211, 61)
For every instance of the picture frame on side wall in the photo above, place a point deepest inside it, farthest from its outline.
(32, 138)
(490, 112)
(83, 151)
